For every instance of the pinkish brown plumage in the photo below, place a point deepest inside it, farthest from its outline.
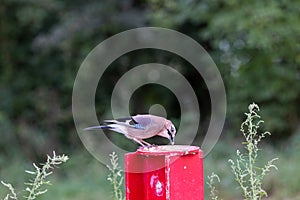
(140, 127)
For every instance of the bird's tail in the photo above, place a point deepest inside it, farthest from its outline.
(113, 127)
(104, 127)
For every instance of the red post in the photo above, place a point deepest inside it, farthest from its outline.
(171, 172)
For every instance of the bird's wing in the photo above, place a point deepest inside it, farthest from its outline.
(129, 122)
(151, 123)
(144, 120)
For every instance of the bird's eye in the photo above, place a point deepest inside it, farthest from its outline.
(172, 129)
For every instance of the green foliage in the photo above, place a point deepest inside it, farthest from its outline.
(35, 185)
(42, 44)
(249, 176)
(115, 177)
(256, 47)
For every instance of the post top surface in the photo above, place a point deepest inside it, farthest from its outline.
(169, 150)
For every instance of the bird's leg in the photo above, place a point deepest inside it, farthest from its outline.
(139, 142)
(142, 142)
(146, 143)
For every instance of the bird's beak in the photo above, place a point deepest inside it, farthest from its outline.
(171, 137)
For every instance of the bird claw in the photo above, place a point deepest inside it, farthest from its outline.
(151, 146)
(148, 146)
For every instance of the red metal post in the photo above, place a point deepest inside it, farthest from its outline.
(171, 172)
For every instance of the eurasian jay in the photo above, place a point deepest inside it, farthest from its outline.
(140, 127)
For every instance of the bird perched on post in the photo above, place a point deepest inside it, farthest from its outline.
(140, 127)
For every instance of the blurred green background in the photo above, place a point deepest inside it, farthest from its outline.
(255, 44)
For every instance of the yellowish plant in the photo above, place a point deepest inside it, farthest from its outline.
(34, 186)
(115, 177)
(211, 185)
(248, 175)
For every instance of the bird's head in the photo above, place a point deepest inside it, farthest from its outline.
(168, 131)
(171, 131)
